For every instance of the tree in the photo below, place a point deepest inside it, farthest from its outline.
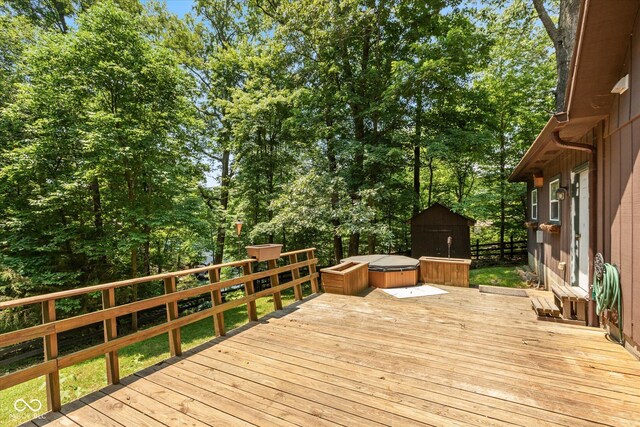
(98, 167)
(518, 81)
(208, 45)
(563, 36)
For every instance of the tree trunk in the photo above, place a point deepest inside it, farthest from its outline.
(146, 251)
(503, 178)
(224, 203)
(98, 223)
(270, 184)
(563, 37)
(416, 155)
(431, 168)
(62, 19)
(134, 250)
(354, 244)
(338, 251)
(134, 288)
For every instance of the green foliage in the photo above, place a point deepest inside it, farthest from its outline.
(97, 169)
(133, 140)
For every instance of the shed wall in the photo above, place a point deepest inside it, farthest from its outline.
(431, 240)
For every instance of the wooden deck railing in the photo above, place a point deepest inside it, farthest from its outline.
(51, 327)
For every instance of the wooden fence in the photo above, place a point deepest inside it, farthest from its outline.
(511, 249)
(51, 327)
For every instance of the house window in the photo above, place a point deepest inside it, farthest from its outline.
(554, 203)
(534, 203)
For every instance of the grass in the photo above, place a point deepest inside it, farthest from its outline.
(505, 276)
(86, 377)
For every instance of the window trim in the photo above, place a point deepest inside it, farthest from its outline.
(554, 199)
(536, 204)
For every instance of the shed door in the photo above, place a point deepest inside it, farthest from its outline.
(580, 230)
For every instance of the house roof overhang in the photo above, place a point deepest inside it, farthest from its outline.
(601, 46)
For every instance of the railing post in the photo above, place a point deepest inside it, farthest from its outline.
(175, 346)
(312, 269)
(216, 299)
(275, 281)
(110, 333)
(252, 311)
(295, 274)
(50, 353)
(477, 248)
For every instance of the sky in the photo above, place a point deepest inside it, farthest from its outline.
(179, 7)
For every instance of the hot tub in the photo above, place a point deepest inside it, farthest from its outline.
(389, 271)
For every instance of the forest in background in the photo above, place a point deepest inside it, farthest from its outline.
(132, 140)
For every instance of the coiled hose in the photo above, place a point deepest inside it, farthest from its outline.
(606, 289)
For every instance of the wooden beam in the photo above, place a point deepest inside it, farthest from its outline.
(312, 271)
(249, 289)
(97, 288)
(110, 333)
(172, 314)
(295, 274)
(274, 282)
(51, 353)
(27, 374)
(216, 299)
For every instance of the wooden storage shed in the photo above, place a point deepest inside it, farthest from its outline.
(431, 228)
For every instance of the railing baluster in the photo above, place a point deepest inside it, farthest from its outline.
(216, 299)
(312, 269)
(252, 311)
(172, 314)
(110, 333)
(295, 274)
(275, 281)
(50, 353)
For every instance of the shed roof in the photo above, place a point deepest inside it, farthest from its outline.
(439, 207)
(602, 41)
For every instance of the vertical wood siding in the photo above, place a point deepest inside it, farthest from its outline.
(619, 187)
(557, 247)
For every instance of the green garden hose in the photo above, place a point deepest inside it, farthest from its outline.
(606, 291)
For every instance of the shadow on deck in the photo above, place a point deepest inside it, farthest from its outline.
(462, 358)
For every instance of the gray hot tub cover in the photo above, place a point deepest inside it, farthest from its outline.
(386, 262)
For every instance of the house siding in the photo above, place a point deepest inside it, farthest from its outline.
(618, 208)
(614, 191)
(556, 247)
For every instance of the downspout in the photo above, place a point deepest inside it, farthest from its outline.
(555, 137)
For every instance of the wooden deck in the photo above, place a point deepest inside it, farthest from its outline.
(462, 358)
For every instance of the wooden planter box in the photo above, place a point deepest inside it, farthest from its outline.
(348, 278)
(550, 228)
(264, 252)
(445, 271)
(393, 279)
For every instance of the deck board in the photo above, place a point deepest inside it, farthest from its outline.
(461, 358)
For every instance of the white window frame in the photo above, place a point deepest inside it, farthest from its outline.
(534, 204)
(553, 199)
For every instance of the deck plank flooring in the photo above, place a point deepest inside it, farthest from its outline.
(461, 358)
